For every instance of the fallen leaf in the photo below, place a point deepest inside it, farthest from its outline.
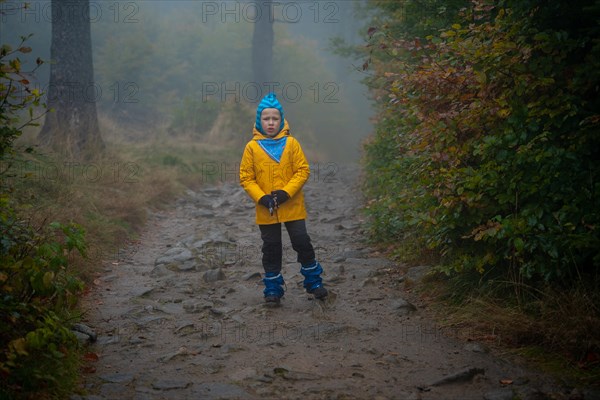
(91, 357)
(506, 381)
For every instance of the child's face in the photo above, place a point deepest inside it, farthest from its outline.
(270, 120)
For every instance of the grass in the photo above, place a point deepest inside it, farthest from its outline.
(110, 195)
(552, 329)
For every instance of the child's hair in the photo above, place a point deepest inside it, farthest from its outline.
(269, 101)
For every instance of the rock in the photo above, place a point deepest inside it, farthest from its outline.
(174, 255)
(117, 378)
(369, 282)
(350, 225)
(476, 348)
(339, 258)
(137, 340)
(219, 312)
(109, 278)
(104, 340)
(213, 275)
(295, 375)
(264, 378)
(169, 384)
(252, 275)
(499, 394)
(417, 273)
(332, 220)
(369, 262)
(111, 390)
(402, 306)
(159, 271)
(141, 322)
(335, 280)
(464, 375)
(189, 265)
(195, 306)
(204, 214)
(82, 338)
(182, 351)
(85, 330)
(215, 390)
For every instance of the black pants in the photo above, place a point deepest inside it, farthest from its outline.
(272, 246)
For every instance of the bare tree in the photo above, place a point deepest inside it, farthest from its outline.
(262, 43)
(72, 125)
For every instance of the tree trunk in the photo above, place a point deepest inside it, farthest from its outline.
(262, 45)
(72, 125)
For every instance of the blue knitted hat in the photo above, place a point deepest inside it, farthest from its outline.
(269, 101)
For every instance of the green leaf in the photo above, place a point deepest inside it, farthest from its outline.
(48, 278)
(519, 244)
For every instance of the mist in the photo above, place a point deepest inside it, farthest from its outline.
(184, 67)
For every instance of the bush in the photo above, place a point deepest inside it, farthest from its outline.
(485, 152)
(39, 354)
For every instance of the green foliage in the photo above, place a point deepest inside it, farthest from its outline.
(37, 291)
(16, 98)
(486, 143)
(38, 356)
(485, 155)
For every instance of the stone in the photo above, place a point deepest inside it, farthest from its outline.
(85, 330)
(109, 278)
(499, 394)
(476, 348)
(174, 255)
(252, 275)
(464, 375)
(195, 306)
(117, 378)
(402, 306)
(216, 390)
(82, 338)
(417, 273)
(170, 384)
(214, 275)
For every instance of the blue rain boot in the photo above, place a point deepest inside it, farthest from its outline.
(273, 287)
(312, 279)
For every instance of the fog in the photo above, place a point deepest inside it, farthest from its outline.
(184, 67)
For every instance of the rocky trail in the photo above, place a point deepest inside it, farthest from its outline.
(181, 315)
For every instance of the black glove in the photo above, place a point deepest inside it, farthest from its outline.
(280, 197)
(268, 202)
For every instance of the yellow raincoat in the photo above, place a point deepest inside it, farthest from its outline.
(260, 175)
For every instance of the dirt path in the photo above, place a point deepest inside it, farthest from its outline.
(182, 315)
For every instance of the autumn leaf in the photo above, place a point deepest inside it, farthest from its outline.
(91, 357)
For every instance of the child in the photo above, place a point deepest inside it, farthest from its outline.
(272, 171)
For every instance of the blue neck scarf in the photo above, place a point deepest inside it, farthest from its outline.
(273, 147)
